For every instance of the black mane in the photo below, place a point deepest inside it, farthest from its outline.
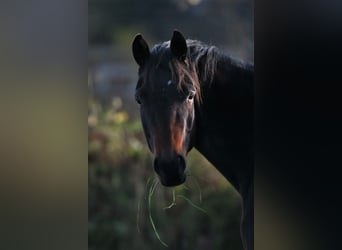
(204, 57)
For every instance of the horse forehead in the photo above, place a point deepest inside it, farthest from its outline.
(164, 95)
(161, 81)
(160, 74)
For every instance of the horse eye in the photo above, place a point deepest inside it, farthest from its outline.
(191, 95)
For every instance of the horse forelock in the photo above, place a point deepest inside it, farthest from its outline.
(185, 72)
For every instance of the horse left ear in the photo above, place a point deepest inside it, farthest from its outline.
(178, 45)
(140, 49)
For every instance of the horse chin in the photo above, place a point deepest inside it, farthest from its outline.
(173, 182)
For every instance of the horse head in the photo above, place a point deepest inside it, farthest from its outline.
(166, 91)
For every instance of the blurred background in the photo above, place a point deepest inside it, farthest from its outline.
(119, 161)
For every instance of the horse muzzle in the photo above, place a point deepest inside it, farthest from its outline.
(170, 170)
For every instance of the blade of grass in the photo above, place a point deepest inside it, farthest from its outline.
(191, 203)
(152, 188)
(198, 187)
(149, 179)
(173, 200)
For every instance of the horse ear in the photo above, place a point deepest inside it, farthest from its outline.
(178, 45)
(141, 51)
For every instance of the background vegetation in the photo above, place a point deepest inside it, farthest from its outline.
(119, 160)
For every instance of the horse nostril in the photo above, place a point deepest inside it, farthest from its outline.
(181, 162)
(156, 166)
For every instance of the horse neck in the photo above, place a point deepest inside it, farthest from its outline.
(224, 122)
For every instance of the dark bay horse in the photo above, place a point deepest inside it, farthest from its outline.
(193, 95)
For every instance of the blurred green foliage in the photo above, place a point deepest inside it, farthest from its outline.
(119, 166)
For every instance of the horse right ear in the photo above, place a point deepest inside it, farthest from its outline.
(141, 51)
(178, 45)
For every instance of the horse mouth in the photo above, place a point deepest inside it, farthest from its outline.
(173, 182)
